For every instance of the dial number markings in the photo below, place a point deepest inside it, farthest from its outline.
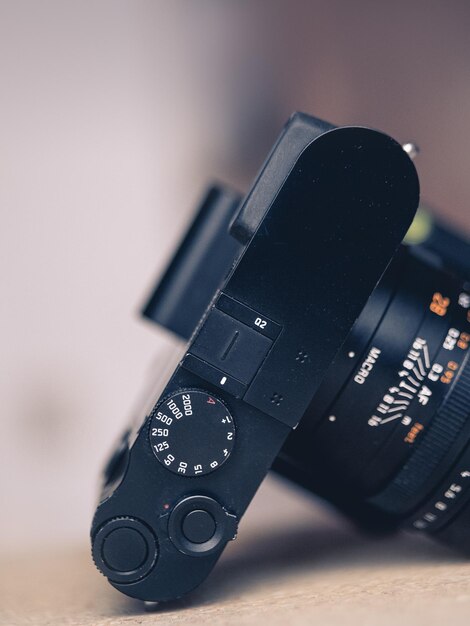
(192, 433)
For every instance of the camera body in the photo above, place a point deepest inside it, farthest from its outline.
(315, 234)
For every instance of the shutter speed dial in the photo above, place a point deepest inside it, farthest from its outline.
(192, 433)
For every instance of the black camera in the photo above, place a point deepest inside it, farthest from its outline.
(314, 344)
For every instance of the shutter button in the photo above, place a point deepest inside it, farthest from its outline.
(198, 526)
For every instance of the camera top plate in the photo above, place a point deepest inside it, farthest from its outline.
(331, 228)
(323, 220)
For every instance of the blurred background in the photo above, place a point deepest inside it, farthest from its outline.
(114, 115)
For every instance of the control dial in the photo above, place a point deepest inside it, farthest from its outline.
(192, 433)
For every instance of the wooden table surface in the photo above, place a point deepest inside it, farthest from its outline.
(292, 569)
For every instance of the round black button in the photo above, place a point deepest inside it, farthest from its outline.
(198, 526)
(124, 550)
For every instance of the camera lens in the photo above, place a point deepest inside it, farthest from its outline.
(387, 436)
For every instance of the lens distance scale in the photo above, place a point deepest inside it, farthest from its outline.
(192, 433)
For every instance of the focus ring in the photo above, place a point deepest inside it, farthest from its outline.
(443, 432)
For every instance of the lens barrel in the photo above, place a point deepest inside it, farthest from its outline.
(387, 437)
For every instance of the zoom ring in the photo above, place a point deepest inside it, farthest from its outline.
(443, 432)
